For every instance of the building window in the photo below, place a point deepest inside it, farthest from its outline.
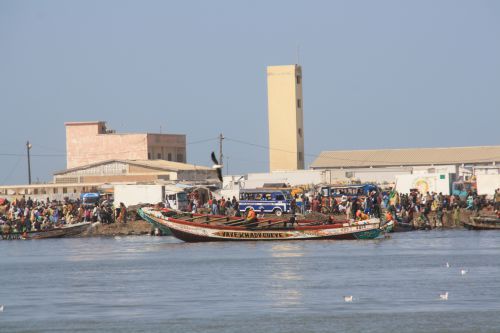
(300, 132)
(300, 156)
(298, 79)
(158, 156)
(180, 158)
(149, 156)
(65, 190)
(299, 103)
(169, 156)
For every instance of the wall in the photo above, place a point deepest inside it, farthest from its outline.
(487, 184)
(84, 145)
(90, 142)
(170, 147)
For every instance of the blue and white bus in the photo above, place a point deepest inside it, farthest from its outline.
(268, 201)
(349, 191)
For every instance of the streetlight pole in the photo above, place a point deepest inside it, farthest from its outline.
(221, 161)
(28, 147)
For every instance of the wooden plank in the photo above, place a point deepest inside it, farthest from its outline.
(245, 224)
(271, 224)
(235, 222)
(217, 219)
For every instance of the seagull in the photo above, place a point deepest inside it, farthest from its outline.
(217, 166)
(464, 271)
(447, 265)
(444, 297)
(1, 308)
(348, 298)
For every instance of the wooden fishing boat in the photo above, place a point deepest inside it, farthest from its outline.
(208, 228)
(402, 227)
(71, 230)
(146, 212)
(483, 223)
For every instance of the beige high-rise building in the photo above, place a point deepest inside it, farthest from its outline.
(286, 125)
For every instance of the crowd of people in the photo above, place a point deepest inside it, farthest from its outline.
(402, 206)
(25, 215)
(223, 206)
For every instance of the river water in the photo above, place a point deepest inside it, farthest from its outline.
(159, 284)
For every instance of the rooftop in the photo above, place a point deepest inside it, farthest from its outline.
(407, 156)
(161, 165)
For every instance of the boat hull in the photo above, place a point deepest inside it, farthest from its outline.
(197, 232)
(145, 213)
(67, 231)
(402, 227)
(482, 223)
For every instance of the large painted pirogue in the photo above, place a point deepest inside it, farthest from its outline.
(209, 228)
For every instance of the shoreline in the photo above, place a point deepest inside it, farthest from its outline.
(132, 228)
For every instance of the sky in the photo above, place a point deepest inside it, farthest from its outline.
(376, 74)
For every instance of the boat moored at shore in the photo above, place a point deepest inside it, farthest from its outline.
(209, 228)
(483, 223)
(71, 230)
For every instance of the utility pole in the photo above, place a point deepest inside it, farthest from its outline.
(28, 147)
(221, 161)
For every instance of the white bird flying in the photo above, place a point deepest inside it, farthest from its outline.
(217, 166)
(444, 297)
(464, 271)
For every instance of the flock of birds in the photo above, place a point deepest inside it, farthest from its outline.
(443, 297)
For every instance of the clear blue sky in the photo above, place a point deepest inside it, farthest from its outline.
(377, 74)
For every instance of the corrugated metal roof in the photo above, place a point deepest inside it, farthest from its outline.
(168, 165)
(407, 157)
(155, 164)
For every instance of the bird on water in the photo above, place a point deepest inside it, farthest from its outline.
(348, 298)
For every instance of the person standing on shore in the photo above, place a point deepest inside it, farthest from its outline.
(456, 214)
(496, 200)
(122, 217)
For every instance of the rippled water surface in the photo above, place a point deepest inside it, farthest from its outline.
(159, 284)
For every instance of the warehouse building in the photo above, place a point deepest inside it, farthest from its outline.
(382, 165)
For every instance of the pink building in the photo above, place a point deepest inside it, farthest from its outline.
(91, 142)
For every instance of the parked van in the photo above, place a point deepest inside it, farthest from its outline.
(134, 194)
(268, 201)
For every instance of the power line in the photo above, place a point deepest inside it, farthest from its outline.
(12, 170)
(202, 141)
(347, 159)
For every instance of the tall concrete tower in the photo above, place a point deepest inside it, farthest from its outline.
(286, 124)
